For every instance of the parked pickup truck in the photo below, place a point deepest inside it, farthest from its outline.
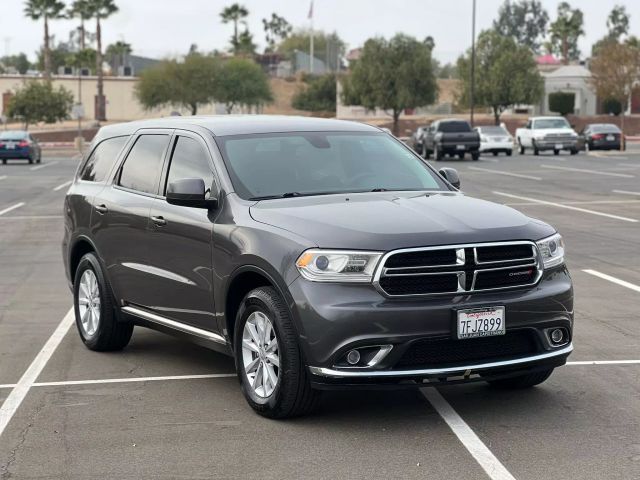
(547, 133)
(450, 137)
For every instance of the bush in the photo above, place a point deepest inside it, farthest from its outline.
(39, 102)
(318, 96)
(562, 102)
(612, 106)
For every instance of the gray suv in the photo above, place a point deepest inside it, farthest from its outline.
(320, 254)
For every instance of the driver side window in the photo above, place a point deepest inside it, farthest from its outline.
(189, 159)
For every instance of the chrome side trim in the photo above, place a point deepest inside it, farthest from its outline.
(160, 272)
(182, 327)
(334, 373)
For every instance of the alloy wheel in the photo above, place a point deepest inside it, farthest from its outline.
(89, 303)
(260, 355)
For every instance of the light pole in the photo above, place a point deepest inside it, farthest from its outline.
(473, 60)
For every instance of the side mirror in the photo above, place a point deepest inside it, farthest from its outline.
(451, 176)
(189, 192)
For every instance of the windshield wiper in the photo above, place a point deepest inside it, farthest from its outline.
(293, 194)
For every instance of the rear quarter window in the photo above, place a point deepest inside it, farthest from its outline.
(102, 159)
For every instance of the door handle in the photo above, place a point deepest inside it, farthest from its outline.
(101, 209)
(159, 221)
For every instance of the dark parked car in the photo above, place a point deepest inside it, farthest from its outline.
(19, 144)
(320, 254)
(451, 137)
(417, 137)
(600, 136)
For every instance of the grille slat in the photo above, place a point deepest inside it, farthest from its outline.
(462, 268)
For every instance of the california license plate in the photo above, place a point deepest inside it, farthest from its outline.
(610, 138)
(10, 145)
(460, 147)
(481, 322)
(558, 146)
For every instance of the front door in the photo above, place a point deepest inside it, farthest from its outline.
(180, 241)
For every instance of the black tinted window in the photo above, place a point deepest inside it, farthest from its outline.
(102, 159)
(189, 160)
(142, 167)
(454, 127)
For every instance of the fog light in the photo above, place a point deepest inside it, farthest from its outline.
(557, 335)
(353, 357)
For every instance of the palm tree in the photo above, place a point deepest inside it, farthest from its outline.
(235, 14)
(100, 9)
(47, 10)
(117, 53)
(82, 10)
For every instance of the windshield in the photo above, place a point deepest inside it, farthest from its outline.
(454, 127)
(551, 123)
(605, 128)
(315, 163)
(493, 131)
(13, 135)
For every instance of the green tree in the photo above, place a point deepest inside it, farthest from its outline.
(328, 47)
(392, 75)
(505, 73)
(37, 101)
(60, 55)
(276, 29)
(245, 44)
(188, 84)
(618, 22)
(20, 62)
(235, 14)
(117, 53)
(83, 59)
(242, 83)
(523, 20)
(100, 10)
(318, 96)
(45, 10)
(565, 32)
(448, 70)
(562, 102)
(82, 10)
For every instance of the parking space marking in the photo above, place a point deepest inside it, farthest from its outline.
(626, 192)
(62, 185)
(38, 167)
(2, 177)
(487, 460)
(593, 172)
(617, 281)
(19, 392)
(134, 379)
(605, 362)
(509, 174)
(568, 207)
(633, 165)
(12, 207)
(32, 217)
(581, 202)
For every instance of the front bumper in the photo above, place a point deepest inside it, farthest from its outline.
(556, 144)
(333, 319)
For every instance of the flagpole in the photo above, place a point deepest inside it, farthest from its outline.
(311, 40)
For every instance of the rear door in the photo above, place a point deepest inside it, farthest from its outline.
(181, 240)
(120, 218)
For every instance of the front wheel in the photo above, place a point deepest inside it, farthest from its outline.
(522, 381)
(535, 149)
(270, 367)
(521, 147)
(95, 309)
(509, 153)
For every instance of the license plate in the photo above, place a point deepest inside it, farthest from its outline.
(558, 146)
(460, 147)
(481, 322)
(10, 145)
(610, 138)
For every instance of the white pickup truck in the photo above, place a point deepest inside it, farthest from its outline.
(547, 133)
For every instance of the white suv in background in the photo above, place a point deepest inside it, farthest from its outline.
(547, 133)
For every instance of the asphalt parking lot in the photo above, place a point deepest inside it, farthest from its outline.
(164, 408)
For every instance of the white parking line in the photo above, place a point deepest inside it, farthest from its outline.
(509, 174)
(617, 281)
(38, 167)
(634, 165)
(62, 185)
(593, 172)
(582, 202)
(19, 392)
(2, 177)
(625, 192)
(32, 217)
(487, 460)
(605, 362)
(568, 207)
(12, 207)
(134, 379)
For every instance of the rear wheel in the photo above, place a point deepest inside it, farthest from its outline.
(30, 159)
(495, 153)
(556, 152)
(425, 152)
(95, 309)
(535, 149)
(574, 151)
(475, 156)
(461, 156)
(4, 161)
(509, 153)
(270, 367)
(522, 381)
(521, 147)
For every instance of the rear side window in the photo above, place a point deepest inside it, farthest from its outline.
(454, 127)
(102, 159)
(189, 160)
(141, 169)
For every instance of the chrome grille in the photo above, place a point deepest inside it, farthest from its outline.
(552, 137)
(458, 269)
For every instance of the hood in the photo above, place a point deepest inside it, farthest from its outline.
(389, 220)
(555, 131)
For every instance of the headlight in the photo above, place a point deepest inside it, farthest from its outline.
(337, 265)
(551, 250)
(483, 139)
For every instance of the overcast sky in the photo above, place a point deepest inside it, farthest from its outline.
(161, 28)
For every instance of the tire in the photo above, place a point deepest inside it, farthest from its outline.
(573, 151)
(437, 154)
(39, 158)
(523, 381)
(522, 150)
(106, 333)
(461, 156)
(556, 152)
(475, 156)
(495, 153)
(4, 161)
(425, 152)
(292, 394)
(509, 153)
(30, 159)
(535, 149)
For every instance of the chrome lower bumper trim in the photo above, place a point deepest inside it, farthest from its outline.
(182, 327)
(333, 373)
